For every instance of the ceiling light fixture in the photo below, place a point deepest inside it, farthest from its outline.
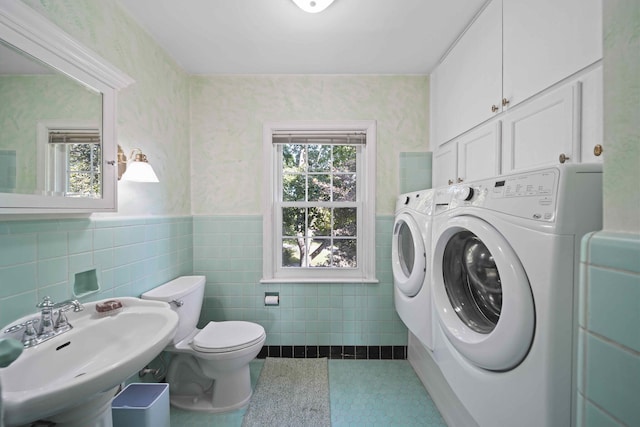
(313, 6)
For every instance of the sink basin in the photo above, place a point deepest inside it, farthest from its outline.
(79, 370)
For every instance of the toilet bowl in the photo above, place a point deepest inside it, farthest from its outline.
(209, 368)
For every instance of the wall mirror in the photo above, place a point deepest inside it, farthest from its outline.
(57, 118)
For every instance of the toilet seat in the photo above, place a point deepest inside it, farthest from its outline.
(222, 337)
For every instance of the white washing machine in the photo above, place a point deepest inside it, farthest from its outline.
(505, 278)
(411, 263)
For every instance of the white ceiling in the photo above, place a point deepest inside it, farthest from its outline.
(276, 37)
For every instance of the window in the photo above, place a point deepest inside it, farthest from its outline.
(75, 162)
(71, 160)
(319, 219)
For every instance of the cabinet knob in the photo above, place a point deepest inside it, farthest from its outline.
(460, 180)
(563, 158)
(505, 102)
(597, 150)
(450, 181)
(494, 108)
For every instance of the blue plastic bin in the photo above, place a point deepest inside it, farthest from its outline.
(142, 405)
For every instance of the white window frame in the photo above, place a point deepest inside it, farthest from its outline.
(52, 176)
(272, 271)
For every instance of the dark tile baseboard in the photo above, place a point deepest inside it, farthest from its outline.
(355, 352)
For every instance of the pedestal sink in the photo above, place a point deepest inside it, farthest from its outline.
(71, 378)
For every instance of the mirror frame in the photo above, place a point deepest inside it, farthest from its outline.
(27, 30)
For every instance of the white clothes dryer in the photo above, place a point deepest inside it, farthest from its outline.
(411, 263)
(505, 272)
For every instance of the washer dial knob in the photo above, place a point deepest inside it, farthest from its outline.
(465, 193)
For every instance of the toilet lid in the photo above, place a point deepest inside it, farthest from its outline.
(220, 337)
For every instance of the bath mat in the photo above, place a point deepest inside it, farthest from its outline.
(291, 392)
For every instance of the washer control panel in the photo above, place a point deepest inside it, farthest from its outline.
(420, 201)
(526, 195)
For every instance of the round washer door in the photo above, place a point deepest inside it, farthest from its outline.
(408, 257)
(482, 294)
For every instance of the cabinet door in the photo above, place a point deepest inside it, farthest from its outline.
(445, 161)
(591, 110)
(546, 41)
(536, 133)
(469, 80)
(479, 153)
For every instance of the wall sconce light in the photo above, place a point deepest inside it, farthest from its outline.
(313, 6)
(137, 169)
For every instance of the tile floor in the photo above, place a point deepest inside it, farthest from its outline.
(362, 393)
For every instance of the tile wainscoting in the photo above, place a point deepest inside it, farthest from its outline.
(133, 255)
(228, 251)
(609, 337)
(129, 256)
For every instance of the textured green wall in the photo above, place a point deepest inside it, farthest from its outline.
(622, 115)
(228, 113)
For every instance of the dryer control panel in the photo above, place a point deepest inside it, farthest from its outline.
(565, 198)
(527, 195)
(419, 201)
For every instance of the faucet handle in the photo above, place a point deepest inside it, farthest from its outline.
(30, 336)
(47, 302)
(26, 325)
(62, 323)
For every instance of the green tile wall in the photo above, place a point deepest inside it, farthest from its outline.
(130, 256)
(228, 251)
(609, 336)
(415, 171)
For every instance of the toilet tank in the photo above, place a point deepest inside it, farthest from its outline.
(184, 294)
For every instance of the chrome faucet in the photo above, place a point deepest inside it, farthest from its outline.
(46, 318)
(47, 328)
(62, 323)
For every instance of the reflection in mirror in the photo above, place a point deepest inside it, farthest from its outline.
(50, 130)
(72, 160)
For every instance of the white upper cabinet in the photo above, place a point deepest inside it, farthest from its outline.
(544, 131)
(546, 41)
(468, 82)
(445, 164)
(473, 156)
(514, 50)
(591, 116)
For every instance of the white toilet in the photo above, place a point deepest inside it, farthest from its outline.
(209, 370)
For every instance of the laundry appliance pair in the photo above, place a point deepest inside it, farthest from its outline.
(505, 267)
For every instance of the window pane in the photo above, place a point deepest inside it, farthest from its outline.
(294, 158)
(319, 188)
(345, 253)
(290, 253)
(79, 157)
(293, 221)
(320, 253)
(344, 187)
(344, 158)
(83, 183)
(293, 188)
(319, 158)
(345, 222)
(97, 157)
(319, 222)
